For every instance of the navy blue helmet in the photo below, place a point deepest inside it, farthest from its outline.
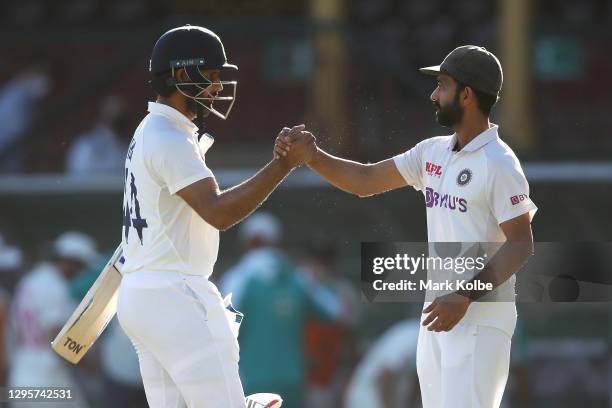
(194, 49)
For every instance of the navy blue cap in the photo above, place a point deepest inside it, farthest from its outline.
(471, 65)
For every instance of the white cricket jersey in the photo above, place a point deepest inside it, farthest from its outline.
(468, 194)
(161, 232)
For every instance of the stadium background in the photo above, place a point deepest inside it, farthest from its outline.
(349, 71)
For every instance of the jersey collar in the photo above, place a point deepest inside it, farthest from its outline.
(477, 142)
(172, 114)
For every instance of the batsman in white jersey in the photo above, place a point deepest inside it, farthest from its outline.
(173, 210)
(475, 191)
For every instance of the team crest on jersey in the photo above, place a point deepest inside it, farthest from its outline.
(464, 177)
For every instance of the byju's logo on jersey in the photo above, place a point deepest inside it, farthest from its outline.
(433, 169)
(518, 198)
(464, 177)
(435, 199)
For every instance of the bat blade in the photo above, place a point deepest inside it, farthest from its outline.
(92, 315)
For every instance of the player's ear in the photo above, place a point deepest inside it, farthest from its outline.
(181, 75)
(467, 96)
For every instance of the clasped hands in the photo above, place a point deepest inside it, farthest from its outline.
(295, 146)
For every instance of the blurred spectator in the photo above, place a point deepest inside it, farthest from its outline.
(276, 303)
(4, 307)
(11, 262)
(41, 306)
(329, 344)
(258, 236)
(386, 377)
(18, 109)
(102, 149)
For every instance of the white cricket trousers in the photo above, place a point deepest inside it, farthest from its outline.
(187, 352)
(466, 367)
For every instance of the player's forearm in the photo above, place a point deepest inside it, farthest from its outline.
(236, 203)
(347, 175)
(508, 260)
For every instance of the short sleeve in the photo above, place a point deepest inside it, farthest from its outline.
(409, 164)
(177, 161)
(508, 190)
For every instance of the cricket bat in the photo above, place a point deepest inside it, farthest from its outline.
(92, 315)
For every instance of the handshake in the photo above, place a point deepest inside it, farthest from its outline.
(295, 147)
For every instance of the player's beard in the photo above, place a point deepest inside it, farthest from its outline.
(451, 114)
(192, 106)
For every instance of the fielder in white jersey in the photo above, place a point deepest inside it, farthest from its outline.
(41, 305)
(475, 191)
(172, 213)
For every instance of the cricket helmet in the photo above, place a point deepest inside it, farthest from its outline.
(194, 49)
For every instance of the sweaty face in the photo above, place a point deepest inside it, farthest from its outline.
(445, 98)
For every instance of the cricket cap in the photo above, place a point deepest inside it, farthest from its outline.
(261, 225)
(76, 245)
(471, 65)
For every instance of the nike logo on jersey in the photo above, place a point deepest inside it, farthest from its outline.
(435, 199)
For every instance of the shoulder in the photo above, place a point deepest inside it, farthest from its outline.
(157, 128)
(500, 156)
(160, 134)
(434, 142)
(502, 166)
(431, 143)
